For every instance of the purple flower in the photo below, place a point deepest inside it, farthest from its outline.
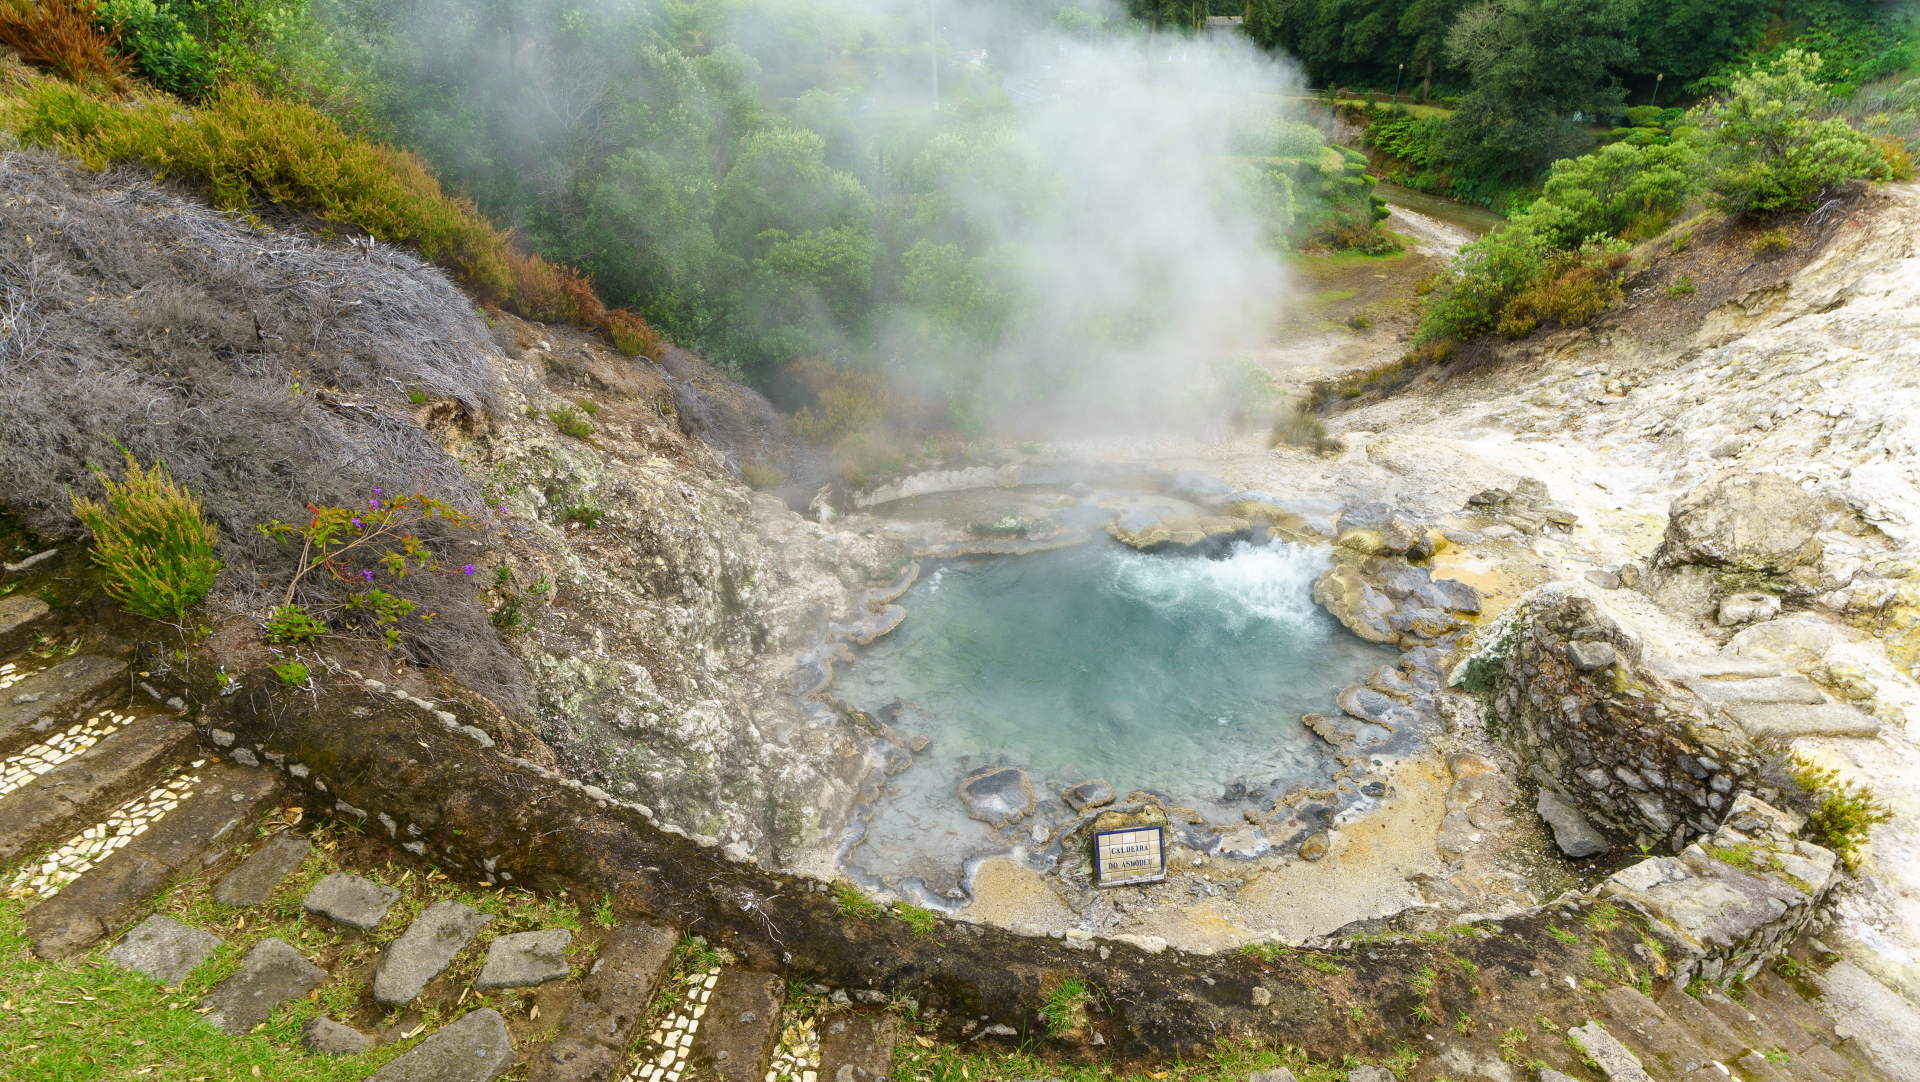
(368, 574)
(377, 492)
(373, 503)
(469, 569)
(356, 524)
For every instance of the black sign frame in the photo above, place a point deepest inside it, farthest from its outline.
(1158, 875)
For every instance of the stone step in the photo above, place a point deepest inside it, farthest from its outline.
(857, 1047)
(209, 815)
(424, 950)
(56, 697)
(1711, 667)
(20, 616)
(1776, 689)
(85, 786)
(1665, 1048)
(255, 880)
(1799, 719)
(273, 972)
(593, 1036)
(476, 1048)
(743, 1026)
(1713, 1034)
(1767, 987)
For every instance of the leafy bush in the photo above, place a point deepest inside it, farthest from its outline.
(1298, 428)
(1469, 297)
(572, 422)
(1571, 290)
(1772, 243)
(1768, 150)
(291, 623)
(64, 37)
(382, 537)
(1603, 193)
(1844, 813)
(761, 475)
(1681, 287)
(158, 44)
(586, 513)
(291, 673)
(152, 538)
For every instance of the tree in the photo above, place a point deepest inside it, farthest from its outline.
(1539, 70)
(1769, 153)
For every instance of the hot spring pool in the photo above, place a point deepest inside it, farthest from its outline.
(1185, 675)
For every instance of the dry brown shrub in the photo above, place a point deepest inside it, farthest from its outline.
(555, 293)
(60, 35)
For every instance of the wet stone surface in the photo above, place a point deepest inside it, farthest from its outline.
(525, 958)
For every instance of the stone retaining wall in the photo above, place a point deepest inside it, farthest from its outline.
(1566, 690)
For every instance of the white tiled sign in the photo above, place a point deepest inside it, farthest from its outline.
(1129, 856)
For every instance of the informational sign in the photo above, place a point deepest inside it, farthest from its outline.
(1129, 856)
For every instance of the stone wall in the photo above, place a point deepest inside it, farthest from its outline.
(1735, 899)
(1565, 689)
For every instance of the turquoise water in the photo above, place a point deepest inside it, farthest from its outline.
(1179, 674)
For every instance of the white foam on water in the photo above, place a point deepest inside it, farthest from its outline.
(1271, 582)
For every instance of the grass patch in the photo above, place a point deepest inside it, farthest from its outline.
(1322, 965)
(1563, 935)
(853, 904)
(921, 920)
(1265, 952)
(1065, 1008)
(1604, 918)
(571, 421)
(1227, 1061)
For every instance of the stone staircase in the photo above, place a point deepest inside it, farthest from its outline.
(1764, 700)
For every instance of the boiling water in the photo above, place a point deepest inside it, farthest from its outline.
(1184, 675)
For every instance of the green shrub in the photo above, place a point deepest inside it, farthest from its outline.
(1772, 243)
(1681, 240)
(570, 421)
(1767, 150)
(153, 540)
(1298, 428)
(160, 46)
(1603, 193)
(291, 673)
(761, 475)
(587, 513)
(290, 623)
(1468, 298)
(854, 904)
(1681, 287)
(1844, 813)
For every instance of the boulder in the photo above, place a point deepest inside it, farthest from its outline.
(1789, 641)
(1743, 521)
(271, 973)
(423, 950)
(474, 1049)
(1346, 594)
(326, 1037)
(1747, 608)
(1001, 796)
(350, 900)
(1590, 656)
(525, 958)
(1452, 594)
(1571, 832)
(164, 949)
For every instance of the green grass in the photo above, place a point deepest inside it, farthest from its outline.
(1065, 1008)
(853, 904)
(1604, 918)
(1563, 935)
(1322, 965)
(1266, 952)
(921, 920)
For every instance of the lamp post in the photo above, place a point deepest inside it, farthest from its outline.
(1656, 88)
(1396, 83)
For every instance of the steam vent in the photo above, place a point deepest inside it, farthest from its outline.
(860, 542)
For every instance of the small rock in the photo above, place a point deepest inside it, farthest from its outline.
(1455, 595)
(1370, 1074)
(869, 996)
(1605, 579)
(326, 1037)
(423, 950)
(164, 949)
(840, 998)
(272, 973)
(919, 743)
(1088, 794)
(525, 958)
(474, 1049)
(253, 882)
(1588, 656)
(350, 900)
(1039, 834)
(1278, 1074)
(1314, 847)
(1261, 997)
(1747, 608)
(243, 756)
(1571, 832)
